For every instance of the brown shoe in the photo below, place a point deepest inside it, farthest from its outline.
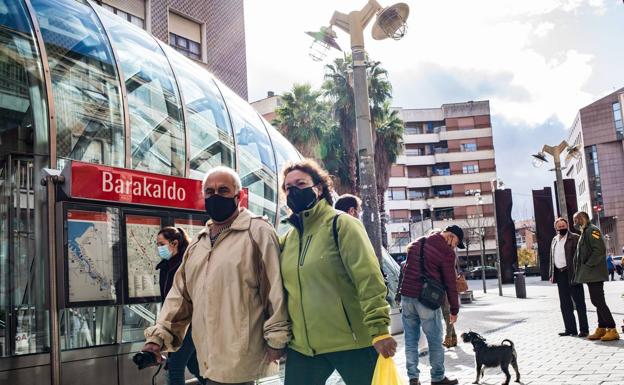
(598, 334)
(610, 335)
(454, 341)
(448, 342)
(414, 381)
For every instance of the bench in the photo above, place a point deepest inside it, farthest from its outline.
(466, 297)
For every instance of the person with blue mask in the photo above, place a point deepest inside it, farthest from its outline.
(171, 244)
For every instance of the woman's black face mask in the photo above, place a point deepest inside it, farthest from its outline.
(299, 200)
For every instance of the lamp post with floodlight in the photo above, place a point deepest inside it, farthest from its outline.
(390, 23)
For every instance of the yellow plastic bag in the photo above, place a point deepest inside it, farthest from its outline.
(386, 373)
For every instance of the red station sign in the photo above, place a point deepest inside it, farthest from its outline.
(104, 183)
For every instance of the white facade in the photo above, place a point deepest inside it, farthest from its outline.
(577, 168)
(451, 150)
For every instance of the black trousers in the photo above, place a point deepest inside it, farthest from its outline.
(356, 367)
(596, 294)
(570, 296)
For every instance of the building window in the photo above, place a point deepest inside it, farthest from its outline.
(413, 194)
(138, 21)
(441, 169)
(397, 171)
(468, 147)
(443, 214)
(443, 191)
(185, 36)
(186, 47)
(398, 194)
(617, 117)
(470, 168)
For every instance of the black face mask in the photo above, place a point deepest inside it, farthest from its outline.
(563, 232)
(220, 208)
(300, 199)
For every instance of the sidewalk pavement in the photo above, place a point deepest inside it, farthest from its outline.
(532, 324)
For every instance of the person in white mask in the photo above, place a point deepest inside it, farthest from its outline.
(171, 244)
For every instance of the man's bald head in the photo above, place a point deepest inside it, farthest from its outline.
(222, 181)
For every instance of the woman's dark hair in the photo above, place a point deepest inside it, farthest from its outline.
(171, 234)
(319, 176)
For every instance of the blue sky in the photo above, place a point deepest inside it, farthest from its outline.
(537, 61)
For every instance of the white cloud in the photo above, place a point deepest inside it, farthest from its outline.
(544, 29)
(486, 36)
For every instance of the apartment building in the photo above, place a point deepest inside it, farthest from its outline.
(444, 177)
(599, 175)
(210, 32)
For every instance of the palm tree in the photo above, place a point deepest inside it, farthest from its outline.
(338, 90)
(388, 138)
(303, 118)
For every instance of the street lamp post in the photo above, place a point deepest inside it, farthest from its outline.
(555, 151)
(390, 23)
(481, 239)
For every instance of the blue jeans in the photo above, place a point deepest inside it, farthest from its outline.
(185, 357)
(416, 315)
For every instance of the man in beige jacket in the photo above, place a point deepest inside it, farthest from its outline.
(230, 288)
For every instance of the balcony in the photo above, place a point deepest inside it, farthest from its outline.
(463, 178)
(426, 160)
(421, 138)
(464, 156)
(466, 134)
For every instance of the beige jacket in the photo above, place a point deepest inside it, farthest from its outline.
(232, 292)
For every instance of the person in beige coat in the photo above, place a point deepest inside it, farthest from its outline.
(230, 288)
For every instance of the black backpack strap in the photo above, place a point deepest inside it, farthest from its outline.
(335, 232)
(423, 272)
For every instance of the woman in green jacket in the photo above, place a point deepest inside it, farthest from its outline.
(335, 289)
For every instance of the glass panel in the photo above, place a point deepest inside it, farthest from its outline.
(137, 21)
(91, 255)
(211, 138)
(88, 326)
(153, 99)
(255, 154)
(142, 257)
(136, 318)
(191, 224)
(194, 47)
(23, 256)
(85, 84)
(23, 116)
(284, 152)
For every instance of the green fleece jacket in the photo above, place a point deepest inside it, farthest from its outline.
(336, 300)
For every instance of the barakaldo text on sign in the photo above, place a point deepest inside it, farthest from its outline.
(96, 182)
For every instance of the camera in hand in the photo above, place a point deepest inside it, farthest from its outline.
(144, 360)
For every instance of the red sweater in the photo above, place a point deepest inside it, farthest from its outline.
(439, 264)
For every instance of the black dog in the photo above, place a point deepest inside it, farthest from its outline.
(491, 356)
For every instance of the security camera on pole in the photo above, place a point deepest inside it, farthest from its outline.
(390, 23)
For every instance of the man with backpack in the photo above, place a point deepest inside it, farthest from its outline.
(429, 276)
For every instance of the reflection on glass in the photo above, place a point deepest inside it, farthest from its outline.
(22, 265)
(85, 84)
(153, 99)
(211, 139)
(192, 225)
(284, 152)
(88, 326)
(136, 318)
(255, 154)
(24, 126)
